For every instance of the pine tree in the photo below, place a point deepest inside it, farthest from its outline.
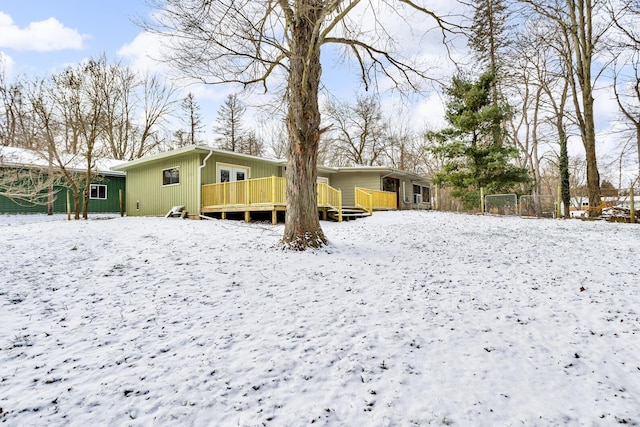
(473, 157)
(487, 37)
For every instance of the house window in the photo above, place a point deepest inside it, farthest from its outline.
(231, 173)
(171, 176)
(98, 191)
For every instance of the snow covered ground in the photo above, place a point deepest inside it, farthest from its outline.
(408, 318)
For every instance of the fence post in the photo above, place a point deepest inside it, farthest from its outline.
(68, 207)
(482, 199)
(632, 207)
(436, 205)
(120, 198)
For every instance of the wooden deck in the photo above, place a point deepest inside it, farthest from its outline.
(269, 195)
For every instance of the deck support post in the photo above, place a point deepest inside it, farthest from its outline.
(247, 216)
(274, 217)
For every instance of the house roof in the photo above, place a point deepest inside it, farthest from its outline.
(382, 170)
(17, 157)
(187, 150)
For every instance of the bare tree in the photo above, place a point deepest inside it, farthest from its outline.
(157, 102)
(582, 34)
(357, 131)
(119, 86)
(237, 41)
(191, 109)
(404, 148)
(47, 99)
(538, 78)
(626, 76)
(229, 123)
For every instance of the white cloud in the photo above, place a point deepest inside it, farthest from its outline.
(143, 54)
(430, 111)
(41, 36)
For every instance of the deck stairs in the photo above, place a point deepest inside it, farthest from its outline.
(348, 213)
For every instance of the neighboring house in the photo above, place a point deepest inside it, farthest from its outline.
(105, 191)
(579, 207)
(208, 181)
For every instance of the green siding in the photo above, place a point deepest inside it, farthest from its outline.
(259, 169)
(348, 181)
(109, 205)
(146, 196)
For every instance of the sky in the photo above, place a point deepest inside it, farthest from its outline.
(38, 37)
(408, 318)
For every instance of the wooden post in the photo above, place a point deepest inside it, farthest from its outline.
(339, 205)
(247, 216)
(273, 190)
(632, 207)
(121, 202)
(247, 196)
(274, 216)
(482, 199)
(559, 203)
(68, 207)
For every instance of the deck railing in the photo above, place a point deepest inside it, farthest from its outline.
(263, 191)
(330, 197)
(374, 199)
(269, 190)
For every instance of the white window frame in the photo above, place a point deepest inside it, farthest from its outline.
(177, 168)
(97, 187)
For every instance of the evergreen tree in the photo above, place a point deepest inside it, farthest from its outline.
(487, 37)
(473, 157)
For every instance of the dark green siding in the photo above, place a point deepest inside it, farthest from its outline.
(111, 204)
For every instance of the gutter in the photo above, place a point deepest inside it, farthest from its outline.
(199, 190)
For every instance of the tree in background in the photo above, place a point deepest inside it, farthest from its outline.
(356, 134)
(473, 157)
(626, 73)
(488, 39)
(582, 34)
(191, 110)
(229, 123)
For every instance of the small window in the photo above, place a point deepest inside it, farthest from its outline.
(97, 191)
(171, 176)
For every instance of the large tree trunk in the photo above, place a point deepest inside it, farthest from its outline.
(593, 176)
(302, 224)
(565, 186)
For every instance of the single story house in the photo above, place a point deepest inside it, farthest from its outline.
(19, 166)
(207, 181)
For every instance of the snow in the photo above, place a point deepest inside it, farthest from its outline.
(407, 318)
(16, 156)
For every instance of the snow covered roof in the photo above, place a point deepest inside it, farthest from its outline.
(22, 157)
